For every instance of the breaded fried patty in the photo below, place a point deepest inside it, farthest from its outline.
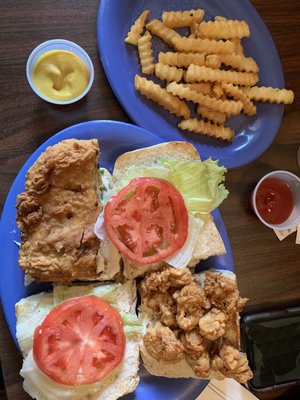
(57, 212)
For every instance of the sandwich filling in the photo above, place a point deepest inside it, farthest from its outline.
(80, 341)
(199, 182)
(57, 212)
(147, 220)
(192, 320)
(140, 222)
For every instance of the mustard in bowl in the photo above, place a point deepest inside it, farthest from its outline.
(60, 71)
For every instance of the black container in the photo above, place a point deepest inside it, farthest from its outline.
(272, 343)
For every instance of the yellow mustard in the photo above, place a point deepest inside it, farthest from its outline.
(60, 75)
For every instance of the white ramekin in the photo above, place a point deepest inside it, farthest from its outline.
(294, 183)
(59, 44)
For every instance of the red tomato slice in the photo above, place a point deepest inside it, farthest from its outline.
(147, 220)
(80, 341)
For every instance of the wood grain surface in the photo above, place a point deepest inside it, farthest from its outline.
(268, 270)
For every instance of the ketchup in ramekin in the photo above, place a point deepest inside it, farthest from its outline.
(274, 200)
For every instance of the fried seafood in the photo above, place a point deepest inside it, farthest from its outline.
(57, 212)
(193, 342)
(201, 365)
(232, 335)
(168, 278)
(190, 300)
(223, 293)
(235, 364)
(212, 324)
(162, 344)
(164, 306)
(197, 321)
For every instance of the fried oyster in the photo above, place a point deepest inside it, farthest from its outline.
(57, 212)
(196, 320)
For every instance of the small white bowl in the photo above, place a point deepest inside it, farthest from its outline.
(294, 183)
(59, 44)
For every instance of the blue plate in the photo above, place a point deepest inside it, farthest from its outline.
(120, 61)
(114, 138)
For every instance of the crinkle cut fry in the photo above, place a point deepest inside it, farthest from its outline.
(206, 128)
(239, 62)
(180, 59)
(212, 61)
(196, 73)
(159, 29)
(193, 28)
(229, 29)
(193, 45)
(145, 53)
(180, 19)
(223, 106)
(239, 49)
(217, 90)
(248, 107)
(137, 29)
(165, 72)
(269, 94)
(177, 59)
(212, 115)
(220, 18)
(165, 99)
(201, 87)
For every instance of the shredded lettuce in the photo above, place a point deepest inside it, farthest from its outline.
(107, 293)
(130, 319)
(131, 323)
(132, 330)
(63, 293)
(199, 182)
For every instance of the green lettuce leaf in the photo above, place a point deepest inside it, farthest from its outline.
(62, 293)
(199, 182)
(131, 323)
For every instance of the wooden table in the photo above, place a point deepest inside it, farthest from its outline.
(267, 270)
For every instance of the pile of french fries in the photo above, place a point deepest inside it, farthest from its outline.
(207, 68)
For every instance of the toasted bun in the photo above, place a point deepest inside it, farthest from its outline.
(121, 381)
(179, 370)
(209, 242)
(30, 312)
(149, 156)
(168, 370)
(131, 271)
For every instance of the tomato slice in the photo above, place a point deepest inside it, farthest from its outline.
(147, 220)
(80, 341)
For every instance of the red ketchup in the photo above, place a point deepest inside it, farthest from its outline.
(274, 200)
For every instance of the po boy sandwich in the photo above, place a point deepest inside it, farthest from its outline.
(158, 212)
(191, 325)
(65, 194)
(80, 342)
